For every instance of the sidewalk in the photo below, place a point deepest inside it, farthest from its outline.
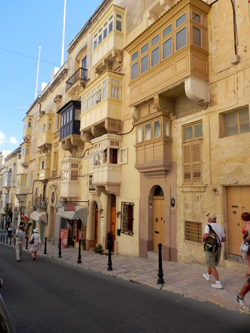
(179, 278)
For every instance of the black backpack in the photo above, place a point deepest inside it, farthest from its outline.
(212, 243)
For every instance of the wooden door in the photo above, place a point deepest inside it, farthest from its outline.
(158, 222)
(238, 201)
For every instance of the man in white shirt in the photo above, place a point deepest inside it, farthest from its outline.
(212, 259)
(19, 237)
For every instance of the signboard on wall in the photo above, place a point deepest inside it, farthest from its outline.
(69, 207)
(64, 234)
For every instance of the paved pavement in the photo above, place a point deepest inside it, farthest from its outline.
(179, 278)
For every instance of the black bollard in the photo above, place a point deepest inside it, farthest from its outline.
(3, 238)
(160, 271)
(26, 245)
(59, 253)
(45, 246)
(6, 239)
(79, 253)
(10, 240)
(109, 248)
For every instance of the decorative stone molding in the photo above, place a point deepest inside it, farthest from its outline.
(193, 188)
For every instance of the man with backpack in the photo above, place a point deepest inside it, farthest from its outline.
(213, 253)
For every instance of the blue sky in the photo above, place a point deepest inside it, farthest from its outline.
(25, 26)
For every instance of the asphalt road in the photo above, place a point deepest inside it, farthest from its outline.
(50, 296)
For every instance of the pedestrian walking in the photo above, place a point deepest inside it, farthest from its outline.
(35, 243)
(240, 297)
(246, 231)
(18, 239)
(9, 230)
(212, 259)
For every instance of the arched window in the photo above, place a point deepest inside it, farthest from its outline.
(158, 192)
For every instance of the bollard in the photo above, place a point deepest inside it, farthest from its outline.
(59, 253)
(26, 246)
(10, 240)
(109, 248)
(45, 246)
(160, 271)
(3, 238)
(6, 239)
(79, 253)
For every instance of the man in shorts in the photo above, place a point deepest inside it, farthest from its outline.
(212, 259)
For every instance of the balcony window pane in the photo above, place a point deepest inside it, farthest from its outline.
(139, 134)
(196, 17)
(104, 92)
(155, 56)
(197, 36)
(181, 38)
(95, 44)
(167, 48)
(167, 30)
(135, 70)
(88, 103)
(144, 64)
(155, 40)
(167, 127)
(144, 48)
(148, 132)
(110, 27)
(71, 115)
(118, 25)
(99, 39)
(77, 114)
(135, 55)
(115, 92)
(181, 20)
(157, 129)
(105, 32)
(98, 97)
(67, 117)
(83, 107)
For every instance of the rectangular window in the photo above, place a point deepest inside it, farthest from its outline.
(167, 31)
(157, 129)
(127, 217)
(95, 44)
(98, 96)
(105, 33)
(181, 38)
(193, 231)
(167, 48)
(181, 20)
(110, 27)
(192, 162)
(115, 92)
(88, 103)
(196, 17)
(135, 55)
(123, 155)
(104, 92)
(197, 36)
(118, 25)
(167, 127)
(237, 123)
(155, 56)
(99, 39)
(155, 40)
(148, 132)
(144, 48)
(193, 132)
(139, 134)
(144, 64)
(134, 70)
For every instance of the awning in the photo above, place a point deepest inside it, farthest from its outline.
(94, 153)
(79, 213)
(39, 215)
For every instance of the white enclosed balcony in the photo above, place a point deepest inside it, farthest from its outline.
(27, 128)
(21, 184)
(69, 178)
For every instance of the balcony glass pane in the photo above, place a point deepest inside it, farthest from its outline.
(104, 92)
(110, 27)
(167, 30)
(135, 55)
(196, 17)
(157, 129)
(144, 64)
(115, 92)
(181, 38)
(167, 127)
(155, 56)
(135, 70)
(144, 48)
(105, 32)
(181, 20)
(167, 48)
(118, 25)
(155, 40)
(197, 36)
(148, 132)
(139, 134)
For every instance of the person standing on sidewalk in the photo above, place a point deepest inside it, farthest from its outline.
(212, 259)
(18, 238)
(36, 243)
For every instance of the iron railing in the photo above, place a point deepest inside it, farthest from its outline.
(80, 74)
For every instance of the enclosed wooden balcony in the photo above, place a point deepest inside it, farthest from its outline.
(45, 132)
(102, 106)
(70, 135)
(27, 128)
(21, 184)
(69, 178)
(170, 58)
(108, 35)
(77, 82)
(25, 154)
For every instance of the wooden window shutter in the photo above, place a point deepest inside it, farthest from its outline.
(196, 159)
(187, 163)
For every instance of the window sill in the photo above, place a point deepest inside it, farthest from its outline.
(193, 188)
(127, 233)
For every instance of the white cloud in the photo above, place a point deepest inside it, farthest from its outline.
(13, 140)
(2, 138)
(5, 141)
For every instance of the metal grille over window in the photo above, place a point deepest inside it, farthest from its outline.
(127, 217)
(193, 231)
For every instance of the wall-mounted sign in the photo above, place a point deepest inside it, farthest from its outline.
(69, 207)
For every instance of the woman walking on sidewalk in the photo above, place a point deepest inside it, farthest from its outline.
(35, 242)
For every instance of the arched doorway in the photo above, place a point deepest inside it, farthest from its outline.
(158, 218)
